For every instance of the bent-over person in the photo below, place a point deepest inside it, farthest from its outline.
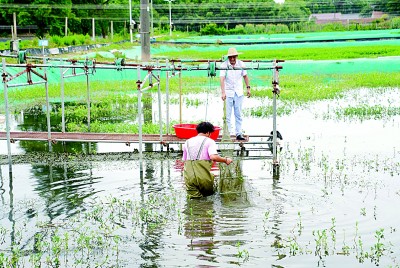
(198, 154)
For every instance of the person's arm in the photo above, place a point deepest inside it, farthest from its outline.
(222, 83)
(246, 80)
(217, 158)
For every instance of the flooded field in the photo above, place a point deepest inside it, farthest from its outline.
(333, 203)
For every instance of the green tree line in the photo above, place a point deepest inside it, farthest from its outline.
(48, 16)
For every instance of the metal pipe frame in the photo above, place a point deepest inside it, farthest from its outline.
(171, 71)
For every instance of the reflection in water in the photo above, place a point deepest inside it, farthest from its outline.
(200, 227)
(223, 209)
(11, 213)
(150, 183)
(278, 210)
(64, 188)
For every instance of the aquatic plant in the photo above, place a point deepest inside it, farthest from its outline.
(242, 253)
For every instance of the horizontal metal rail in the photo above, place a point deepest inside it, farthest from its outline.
(115, 138)
(142, 67)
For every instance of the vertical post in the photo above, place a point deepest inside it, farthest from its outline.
(139, 88)
(159, 106)
(151, 18)
(145, 30)
(7, 117)
(88, 100)
(275, 83)
(88, 92)
(180, 97)
(170, 19)
(130, 20)
(15, 25)
(93, 30)
(47, 106)
(112, 31)
(66, 26)
(167, 94)
(12, 33)
(62, 99)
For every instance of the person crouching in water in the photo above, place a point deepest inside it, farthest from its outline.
(198, 154)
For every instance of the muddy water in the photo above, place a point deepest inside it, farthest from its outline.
(334, 202)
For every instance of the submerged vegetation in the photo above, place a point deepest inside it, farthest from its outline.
(134, 228)
(106, 232)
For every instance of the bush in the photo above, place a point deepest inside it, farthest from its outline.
(212, 29)
(281, 28)
(249, 29)
(81, 39)
(396, 23)
(260, 28)
(239, 29)
(332, 27)
(56, 41)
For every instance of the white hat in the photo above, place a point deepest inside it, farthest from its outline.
(232, 52)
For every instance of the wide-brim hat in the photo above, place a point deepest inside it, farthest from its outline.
(232, 52)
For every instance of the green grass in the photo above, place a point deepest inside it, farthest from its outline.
(368, 112)
(310, 53)
(307, 88)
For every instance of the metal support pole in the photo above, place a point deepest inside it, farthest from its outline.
(180, 97)
(62, 100)
(47, 107)
(274, 85)
(88, 97)
(140, 122)
(7, 118)
(159, 106)
(167, 94)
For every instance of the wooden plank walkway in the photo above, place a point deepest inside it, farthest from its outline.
(104, 137)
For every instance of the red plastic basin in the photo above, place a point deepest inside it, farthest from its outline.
(187, 131)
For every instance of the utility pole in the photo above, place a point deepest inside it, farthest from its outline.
(112, 31)
(145, 30)
(66, 26)
(130, 20)
(15, 25)
(151, 18)
(170, 19)
(93, 30)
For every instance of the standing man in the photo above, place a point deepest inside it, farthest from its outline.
(198, 154)
(231, 74)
